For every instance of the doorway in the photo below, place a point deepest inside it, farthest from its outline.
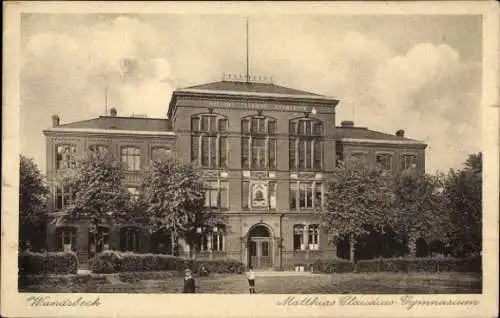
(260, 254)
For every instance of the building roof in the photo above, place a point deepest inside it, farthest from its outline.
(122, 123)
(232, 89)
(250, 87)
(358, 134)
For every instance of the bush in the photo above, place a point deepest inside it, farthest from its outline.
(115, 262)
(427, 264)
(107, 262)
(47, 263)
(335, 265)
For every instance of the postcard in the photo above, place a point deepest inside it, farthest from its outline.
(269, 159)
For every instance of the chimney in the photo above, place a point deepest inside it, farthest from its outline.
(113, 112)
(400, 133)
(347, 123)
(55, 120)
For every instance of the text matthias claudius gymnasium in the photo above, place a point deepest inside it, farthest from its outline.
(407, 302)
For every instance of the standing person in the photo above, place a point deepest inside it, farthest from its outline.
(189, 285)
(251, 280)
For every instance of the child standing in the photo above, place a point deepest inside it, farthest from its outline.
(189, 285)
(251, 280)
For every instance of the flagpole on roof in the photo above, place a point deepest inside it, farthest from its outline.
(248, 72)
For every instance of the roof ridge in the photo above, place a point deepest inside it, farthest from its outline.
(258, 87)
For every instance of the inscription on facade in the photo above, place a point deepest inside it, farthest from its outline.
(253, 105)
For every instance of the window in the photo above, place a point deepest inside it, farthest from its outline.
(134, 193)
(293, 195)
(214, 240)
(305, 144)
(245, 190)
(298, 237)
(272, 195)
(258, 144)
(216, 194)
(209, 140)
(131, 157)
(98, 149)
(129, 238)
(159, 152)
(65, 156)
(408, 161)
(218, 238)
(64, 197)
(384, 161)
(66, 238)
(360, 156)
(306, 195)
(313, 237)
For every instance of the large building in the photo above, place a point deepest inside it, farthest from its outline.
(265, 150)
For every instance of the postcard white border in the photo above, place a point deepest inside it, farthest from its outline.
(131, 305)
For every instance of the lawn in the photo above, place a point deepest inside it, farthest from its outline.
(358, 283)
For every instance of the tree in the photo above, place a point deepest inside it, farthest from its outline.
(417, 207)
(462, 198)
(172, 196)
(97, 191)
(359, 199)
(33, 194)
(474, 162)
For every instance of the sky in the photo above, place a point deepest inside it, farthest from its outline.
(413, 72)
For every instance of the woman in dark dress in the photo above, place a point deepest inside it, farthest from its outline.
(189, 285)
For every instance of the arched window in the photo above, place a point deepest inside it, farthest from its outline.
(306, 144)
(131, 157)
(130, 238)
(66, 238)
(65, 156)
(258, 143)
(209, 140)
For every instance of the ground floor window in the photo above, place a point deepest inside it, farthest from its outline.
(66, 238)
(298, 237)
(130, 238)
(303, 242)
(314, 237)
(218, 239)
(214, 240)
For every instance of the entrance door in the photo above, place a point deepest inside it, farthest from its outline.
(260, 253)
(260, 248)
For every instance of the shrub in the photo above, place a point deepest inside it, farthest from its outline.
(107, 262)
(114, 262)
(47, 263)
(335, 265)
(426, 264)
